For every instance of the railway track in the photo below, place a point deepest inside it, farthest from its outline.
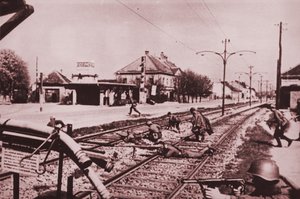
(159, 177)
(149, 175)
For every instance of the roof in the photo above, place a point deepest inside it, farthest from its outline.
(56, 78)
(231, 87)
(153, 65)
(294, 72)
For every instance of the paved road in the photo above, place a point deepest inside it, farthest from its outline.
(85, 116)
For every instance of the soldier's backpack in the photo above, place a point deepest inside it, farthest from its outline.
(208, 125)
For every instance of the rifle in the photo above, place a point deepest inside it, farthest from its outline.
(233, 183)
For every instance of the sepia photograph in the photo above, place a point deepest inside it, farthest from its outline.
(149, 99)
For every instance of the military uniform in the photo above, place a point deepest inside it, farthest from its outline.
(281, 125)
(154, 132)
(199, 126)
(174, 121)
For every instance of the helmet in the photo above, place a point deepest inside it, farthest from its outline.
(265, 169)
(148, 123)
(192, 109)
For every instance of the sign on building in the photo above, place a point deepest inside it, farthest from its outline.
(86, 64)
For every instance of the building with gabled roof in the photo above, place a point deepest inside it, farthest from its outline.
(290, 88)
(159, 75)
(54, 87)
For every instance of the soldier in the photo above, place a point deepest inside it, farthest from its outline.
(265, 178)
(154, 132)
(281, 125)
(174, 122)
(131, 137)
(133, 107)
(168, 150)
(201, 126)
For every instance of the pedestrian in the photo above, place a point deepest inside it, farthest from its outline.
(200, 125)
(169, 150)
(281, 124)
(155, 133)
(133, 107)
(265, 178)
(174, 122)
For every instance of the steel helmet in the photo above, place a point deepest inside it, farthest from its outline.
(148, 123)
(192, 109)
(265, 169)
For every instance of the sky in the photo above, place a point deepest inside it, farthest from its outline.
(114, 33)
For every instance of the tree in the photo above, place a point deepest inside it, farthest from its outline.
(205, 86)
(14, 76)
(194, 85)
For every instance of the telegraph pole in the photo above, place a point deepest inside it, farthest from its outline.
(260, 96)
(143, 76)
(36, 79)
(224, 71)
(250, 78)
(278, 77)
(267, 82)
(41, 92)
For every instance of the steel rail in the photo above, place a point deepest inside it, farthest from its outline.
(139, 165)
(228, 132)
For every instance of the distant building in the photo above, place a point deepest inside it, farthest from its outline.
(217, 91)
(235, 90)
(156, 76)
(54, 87)
(85, 88)
(290, 88)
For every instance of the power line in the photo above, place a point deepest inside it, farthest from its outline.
(157, 27)
(214, 18)
(218, 25)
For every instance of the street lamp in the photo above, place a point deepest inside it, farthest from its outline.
(224, 56)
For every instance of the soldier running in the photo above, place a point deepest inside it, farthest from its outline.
(281, 124)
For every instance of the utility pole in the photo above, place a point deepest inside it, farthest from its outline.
(267, 82)
(143, 76)
(36, 79)
(224, 56)
(224, 74)
(260, 95)
(278, 77)
(41, 92)
(250, 78)
(239, 83)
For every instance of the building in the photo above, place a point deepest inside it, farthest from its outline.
(234, 90)
(54, 87)
(85, 88)
(290, 88)
(155, 76)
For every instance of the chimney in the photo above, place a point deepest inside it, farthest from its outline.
(162, 56)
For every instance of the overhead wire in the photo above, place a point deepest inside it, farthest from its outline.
(156, 26)
(219, 26)
(205, 23)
